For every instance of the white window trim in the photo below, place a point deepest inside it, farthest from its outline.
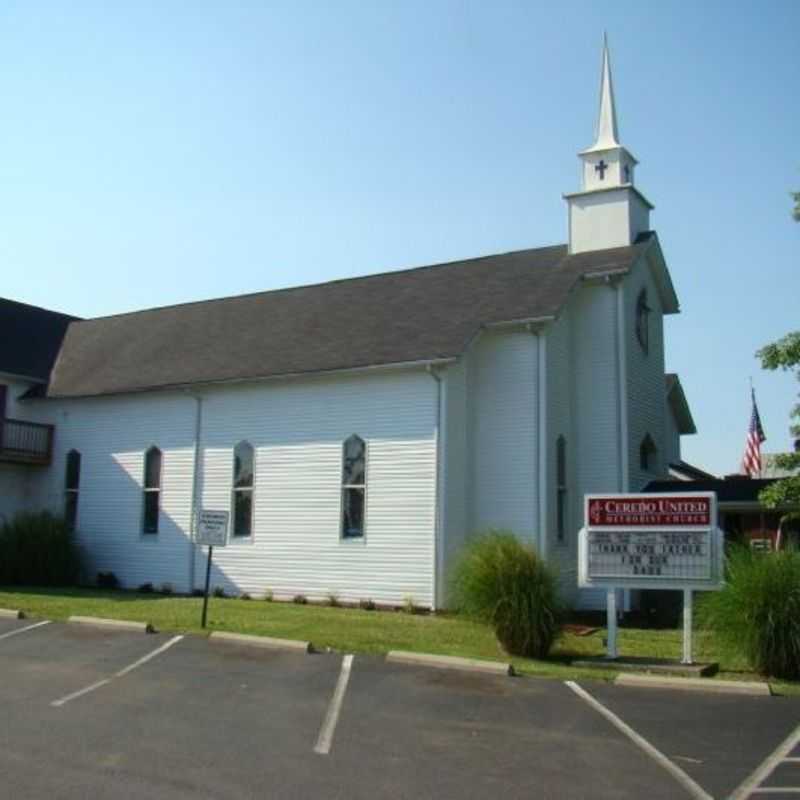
(353, 540)
(250, 538)
(150, 535)
(562, 495)
(72, 491)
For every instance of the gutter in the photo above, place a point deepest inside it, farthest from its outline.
(441, 482)
(530, 322)
(541, 374)
(428, 363)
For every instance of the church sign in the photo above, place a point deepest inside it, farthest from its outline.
(650, 541)
(649, 510)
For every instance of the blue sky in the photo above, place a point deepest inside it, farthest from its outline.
(156, 153)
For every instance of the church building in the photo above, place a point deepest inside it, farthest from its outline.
(359, 431)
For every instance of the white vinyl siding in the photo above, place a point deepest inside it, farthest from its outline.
(562, 399)
(645, 379)
(504, 446)
(457, 489)
(297, 429)
(112, 435)
(596, 391)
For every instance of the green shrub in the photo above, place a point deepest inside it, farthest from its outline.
(107, 580)
(757, 612)
(36, 548)
(501, 581)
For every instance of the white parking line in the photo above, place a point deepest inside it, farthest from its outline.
(80, 692)
(64, 700)
(323, 745)
(26, 628)
(694, 789)
(778, 756)
(145, 659)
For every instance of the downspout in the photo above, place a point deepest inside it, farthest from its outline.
(441, 484)
(198, 422)
(622, 373)
(541, 375)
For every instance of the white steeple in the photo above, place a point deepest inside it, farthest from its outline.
(607, 135)
(608, 211)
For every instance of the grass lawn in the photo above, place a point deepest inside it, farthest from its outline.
(354, 630)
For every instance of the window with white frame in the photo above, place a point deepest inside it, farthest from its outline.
(72, 484)
(243, 482)
(561, 488)
(354, 487)
(152, 490)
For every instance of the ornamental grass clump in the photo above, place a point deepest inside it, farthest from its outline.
(757, 612)
(502, 581)
(37, 548)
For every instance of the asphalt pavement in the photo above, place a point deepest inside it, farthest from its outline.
(106, 714)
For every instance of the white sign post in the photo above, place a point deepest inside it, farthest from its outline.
(212, 530)
(651, 541)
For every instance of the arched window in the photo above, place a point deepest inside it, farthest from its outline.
(243, 469)
(561, 487)
(648, 454)
(152, 490)
(72, 484)
(643, 320)
(354, 487)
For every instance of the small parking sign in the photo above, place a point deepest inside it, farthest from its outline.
(212, 528)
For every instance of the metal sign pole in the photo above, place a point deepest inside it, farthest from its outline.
(208, 578)
(687, 627)
(611, 624)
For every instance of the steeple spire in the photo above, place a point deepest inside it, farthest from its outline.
(607, 135)
(609, 211)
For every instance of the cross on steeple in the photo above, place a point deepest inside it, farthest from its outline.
(601, 167)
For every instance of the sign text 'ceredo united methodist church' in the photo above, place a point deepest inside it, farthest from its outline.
(650, 540)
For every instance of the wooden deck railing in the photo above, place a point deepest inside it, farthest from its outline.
(25, 442)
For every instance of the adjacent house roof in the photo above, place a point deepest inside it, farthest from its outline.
(679, 404)
(423, 314)
(683, 470)
(733, 491)
(29, 339)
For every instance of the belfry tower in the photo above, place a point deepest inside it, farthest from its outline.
(609, 211)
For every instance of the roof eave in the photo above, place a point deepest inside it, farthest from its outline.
(680, 408)
(190, 385)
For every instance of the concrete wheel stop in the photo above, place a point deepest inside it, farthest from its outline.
(655, 666)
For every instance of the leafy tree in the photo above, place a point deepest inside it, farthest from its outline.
(784, 354)
(796, 209)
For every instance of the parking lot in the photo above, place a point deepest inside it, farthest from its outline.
(98, 713)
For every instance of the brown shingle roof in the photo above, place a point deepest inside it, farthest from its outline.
(419, 314)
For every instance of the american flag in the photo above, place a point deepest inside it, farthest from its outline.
(751, 460)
